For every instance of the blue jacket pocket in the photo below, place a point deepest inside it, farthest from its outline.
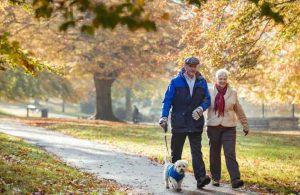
(199, 123)
(178, 120)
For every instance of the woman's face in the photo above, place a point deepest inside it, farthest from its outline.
(222, 80)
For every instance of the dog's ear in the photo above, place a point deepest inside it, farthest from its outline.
(186, 163)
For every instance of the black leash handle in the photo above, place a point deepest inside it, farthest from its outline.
(166, 127)
(166, 130)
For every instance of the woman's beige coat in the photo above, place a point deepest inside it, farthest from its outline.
(233, 112)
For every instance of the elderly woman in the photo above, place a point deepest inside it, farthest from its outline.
(222, 118)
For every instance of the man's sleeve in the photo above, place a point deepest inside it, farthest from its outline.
(167, 102)
(206, 102)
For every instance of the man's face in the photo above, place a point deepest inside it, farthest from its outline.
(191, 69)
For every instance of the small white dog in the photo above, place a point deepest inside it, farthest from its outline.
(174, 174)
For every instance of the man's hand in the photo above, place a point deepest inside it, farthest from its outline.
(197, 113)
(163, 122)
(246, 131)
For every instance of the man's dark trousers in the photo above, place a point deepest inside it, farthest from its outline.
(177, 142)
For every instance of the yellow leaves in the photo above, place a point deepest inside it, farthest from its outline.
(232, 35)
(165, 16)
(23, 152)
(140, 2)
(146, 47)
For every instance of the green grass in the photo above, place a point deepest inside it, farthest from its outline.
(270, 162)
(4, 114)
(25, 169)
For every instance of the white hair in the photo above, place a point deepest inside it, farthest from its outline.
(222, 72)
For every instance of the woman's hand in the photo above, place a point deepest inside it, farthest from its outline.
(246, 131)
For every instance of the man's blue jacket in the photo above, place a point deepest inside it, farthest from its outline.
(178, 97)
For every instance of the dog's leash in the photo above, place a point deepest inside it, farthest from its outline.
(166, 130)
(168, 153)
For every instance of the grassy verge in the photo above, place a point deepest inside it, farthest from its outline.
(268, 162)
(26, 169)
(4, 114)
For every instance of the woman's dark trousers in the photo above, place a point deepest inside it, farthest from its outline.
(226, 137)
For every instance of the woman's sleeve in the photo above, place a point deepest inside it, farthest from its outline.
(240, 113)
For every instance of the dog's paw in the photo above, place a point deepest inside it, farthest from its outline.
(178, 190)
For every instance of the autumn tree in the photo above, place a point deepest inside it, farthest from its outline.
(261, 54)
(16, 85)
(144, 93)
(89, 15)
(111, 55)
(108, 55)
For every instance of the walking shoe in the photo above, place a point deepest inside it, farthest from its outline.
(203, 181)
(237, 183)
(215, 183)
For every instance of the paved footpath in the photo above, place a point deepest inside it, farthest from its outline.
(106, 161)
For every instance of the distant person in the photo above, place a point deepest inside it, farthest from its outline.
(188, 96)
(222, 118)
(136, 115)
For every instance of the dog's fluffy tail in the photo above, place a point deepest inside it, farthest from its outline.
(167, 160)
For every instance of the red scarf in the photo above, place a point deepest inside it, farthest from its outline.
(220, 101)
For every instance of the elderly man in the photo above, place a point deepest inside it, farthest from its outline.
(188, 96)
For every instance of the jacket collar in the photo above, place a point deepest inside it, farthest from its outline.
(198, 74)
(227, 94)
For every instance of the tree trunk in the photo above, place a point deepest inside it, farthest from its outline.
(128, 104)
(103, 97)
